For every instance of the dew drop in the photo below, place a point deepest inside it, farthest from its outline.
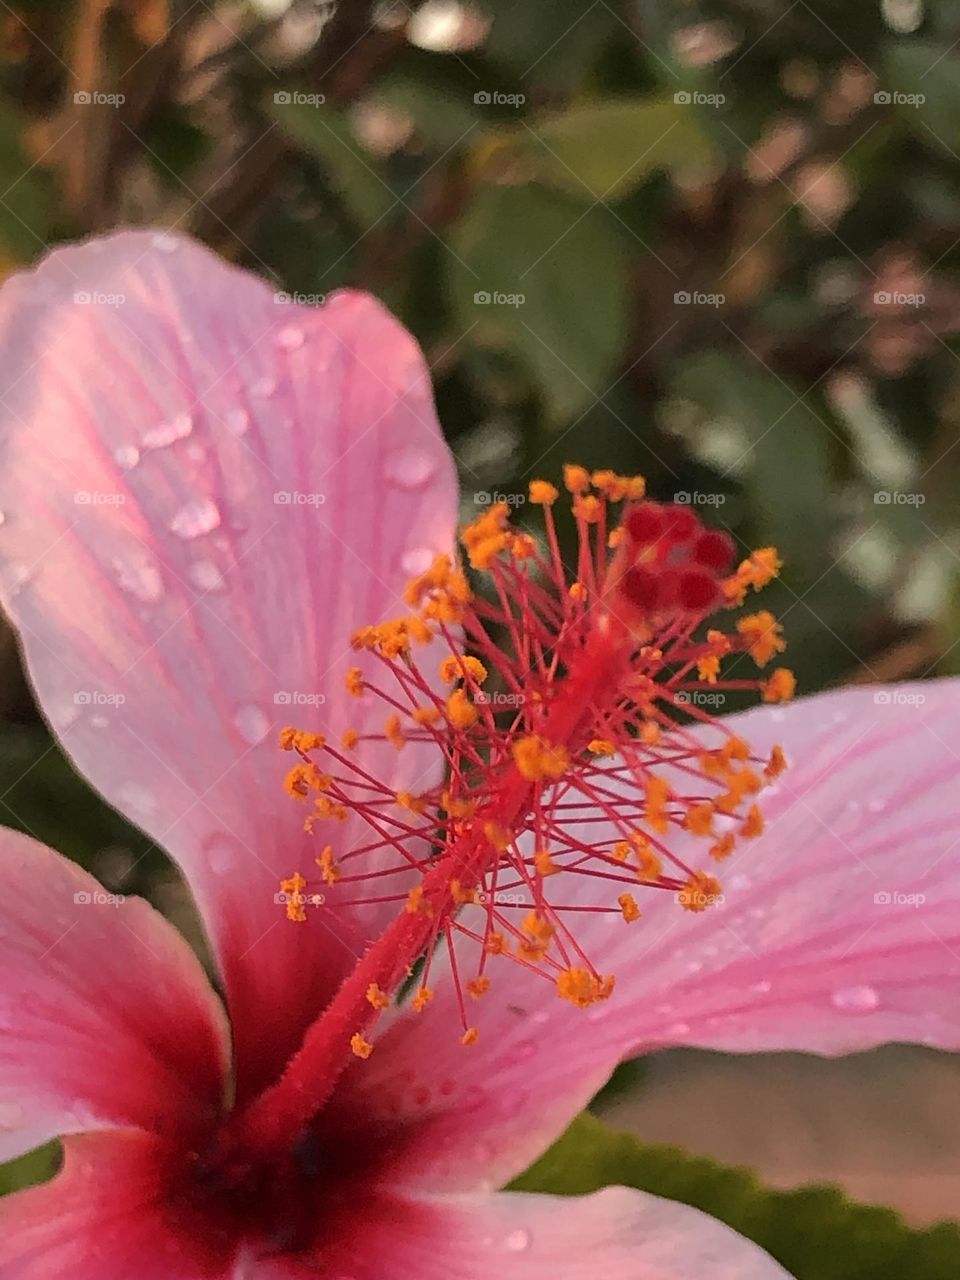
(3, 517)
(410, 468)
(127, 456)
(178, 428)
(136, 797)
(290, 338)
(222, 853)
(205, 575)
(237, 421)
(11, 1116)
(139, 576)
(195, 519)
(417, 560)
(860, 999)
(252, 723)
(165, 242)
(518, 1241)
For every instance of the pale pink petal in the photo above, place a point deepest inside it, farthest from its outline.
(616, 1234)
(205, 491)
(106, 1216)
(802, 955)
(106, 1018)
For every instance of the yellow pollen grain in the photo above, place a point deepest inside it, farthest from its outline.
(329, 869)
(628, 907)
(287, 738)
(425, 715)
(753, 825)
(537, 928)
(478, 986)
(413, 804)
(577, 592)
(415, 905)
(293, 889)
(699, 819)
(543, 493)
(621, 851)
(776, 764)
(470, 1037)
(354, 682)
(393, 732)
(576, 479)
(581, 987)
(498, 837)
(536, 759)
(723, 847)
(350, 739)
(708, 669)
(761, 634)
(781, 686)
(601, 747)
(614, 538)
(457, 667)
(587, 508)
(495, 943)
(460, 710)
(360, 1047)
(544, 864)
(377, 998)
(459, 894)
(421, 999)
(650, 733)
(657, 793)
(699, 892)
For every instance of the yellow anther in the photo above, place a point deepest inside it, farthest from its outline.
(478, 986)
(287, 738)
(543, 493)
(544, 864)
(470, 1037)
(425, 715)
(649, 733)
(723, 847)
(498, 837)
(495, 943)
(761, 631)
(413, 804)
(587, 508)
(329, 867)
(461, 895)
(577, 592)
(601, 747)
(780, 687)
(708, 669)
(753, 824)
(537, 928)
(361, 1048)
(523, 546)
(615, 537)
(324, 807)
(699, 819)
(576, 479)
(628, 907)
(699, 892)
(350, 739)
(421, 999)
(456, 807)
(379, 999)
(621, 851)
(354, 682)
(649, 864)
(657, 793)
(393, 732)
(293, 890)
(486, 537)
(776, 764)
(458, 667)
(416, 905)
(735, 749)
(460, 710)
(582, 988)
(537, 759)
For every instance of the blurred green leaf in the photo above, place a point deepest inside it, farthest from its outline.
(556, 42)
(25, 219)
(786, 471)
(603, 150)
(36, 1166)
(355, 175)
(816, 1233)
(924, 67)
(570, 268)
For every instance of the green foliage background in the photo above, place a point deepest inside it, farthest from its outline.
(772, 159)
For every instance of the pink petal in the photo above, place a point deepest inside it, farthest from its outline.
(205, 493)
(800, 955)
(107, 1018)
(105, 1217)
(616, 1234)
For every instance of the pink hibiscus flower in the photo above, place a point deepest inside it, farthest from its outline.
(206, 493)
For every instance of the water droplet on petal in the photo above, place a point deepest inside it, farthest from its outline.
(859, 999)
(417, 560)
(136, 797)
(165, 242)
(237, 421)
(252, 723)
(205, 575)
(410, 468)
(11, 1116)
(195, 519)
(178, 428)
(222, 852)
(127, 456)
(518, 1241)
(139, 576)
(290, 338)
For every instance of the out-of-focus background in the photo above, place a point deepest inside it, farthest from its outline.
(716, 242)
